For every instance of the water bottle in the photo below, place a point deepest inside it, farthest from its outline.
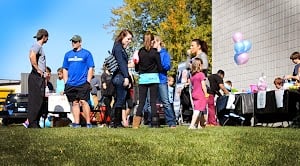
(48, 122)
(41, 122)
(46, 91)
(285, 80)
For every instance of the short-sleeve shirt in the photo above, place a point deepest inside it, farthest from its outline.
(171, 94)
(78, 63)
(198, 96)
(40, 56)
(95, 83)
(204, 59)
(197, 91)
(214, 81)
(295, 72)
(60, 86)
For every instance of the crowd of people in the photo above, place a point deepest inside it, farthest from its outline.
(77, 81)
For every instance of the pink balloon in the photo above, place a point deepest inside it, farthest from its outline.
(242, 58)
(237, 37)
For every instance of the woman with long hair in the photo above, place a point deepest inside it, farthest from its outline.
(149, 66)
(120, 77)
(199, 50)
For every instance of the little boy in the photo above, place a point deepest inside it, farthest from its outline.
(278, 82)
(295, 57)
(48, 83)
(228, 85)
(60, 84)
(171, 93)
(171, 89)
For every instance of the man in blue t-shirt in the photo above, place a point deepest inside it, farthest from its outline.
(78, 67)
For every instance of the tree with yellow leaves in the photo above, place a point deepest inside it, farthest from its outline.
(176, 21)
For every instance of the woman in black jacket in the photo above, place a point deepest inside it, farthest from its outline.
(120, 77)
(149, 66)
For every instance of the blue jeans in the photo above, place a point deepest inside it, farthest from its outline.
(164, 99)
(147, 107)
(118, 81)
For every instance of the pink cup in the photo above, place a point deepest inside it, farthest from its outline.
(253, 88)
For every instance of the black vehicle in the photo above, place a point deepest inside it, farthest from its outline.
(15, 110)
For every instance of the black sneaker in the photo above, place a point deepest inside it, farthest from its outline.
(34, 126)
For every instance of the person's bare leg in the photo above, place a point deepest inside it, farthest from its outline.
(127, 112)
(76, 112)
(124, 117)
(86, 111)
(204, 120)
(194, 118)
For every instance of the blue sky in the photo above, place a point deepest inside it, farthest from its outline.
(21, 19)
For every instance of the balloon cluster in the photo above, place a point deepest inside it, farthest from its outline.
(241, 48)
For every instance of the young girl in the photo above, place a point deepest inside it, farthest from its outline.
(199, 92)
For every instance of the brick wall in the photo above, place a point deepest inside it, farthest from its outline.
(272, 26)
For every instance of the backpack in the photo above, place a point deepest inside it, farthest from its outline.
(111, 63)
(185, 97)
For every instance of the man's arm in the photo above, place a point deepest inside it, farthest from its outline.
(203, 84)
(292, 77)
(65, 75)
(90, 75)
(223, 89)
(33, 61)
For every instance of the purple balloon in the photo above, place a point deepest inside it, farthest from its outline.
(241, 58)
(237, 37)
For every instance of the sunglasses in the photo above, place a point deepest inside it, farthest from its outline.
(74, 41)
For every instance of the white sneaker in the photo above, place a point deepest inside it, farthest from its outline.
(192, 127)
(101, 125)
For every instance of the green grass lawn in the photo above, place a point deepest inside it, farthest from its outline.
(150, 146)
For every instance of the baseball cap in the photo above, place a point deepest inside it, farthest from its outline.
(41, 33)
(76, 38)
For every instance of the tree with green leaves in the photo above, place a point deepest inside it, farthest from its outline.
(176, 21)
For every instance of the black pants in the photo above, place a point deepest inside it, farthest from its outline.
(36, 93)
(108, 113)
(143, 89)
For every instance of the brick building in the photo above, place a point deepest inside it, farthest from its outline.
(272, 26)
